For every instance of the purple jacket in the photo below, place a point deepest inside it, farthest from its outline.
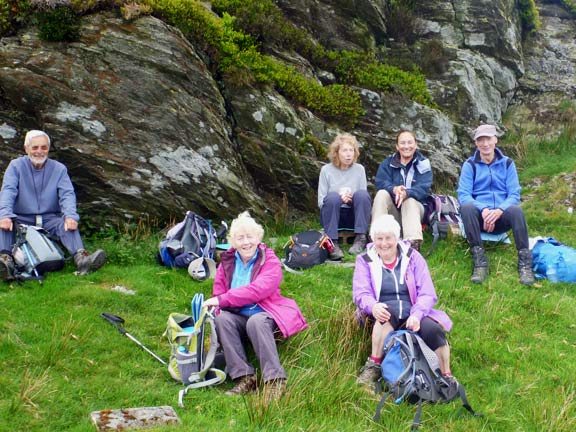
(414, 270)
(264, 289)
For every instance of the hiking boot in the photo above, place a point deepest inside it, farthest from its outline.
(273, 390)
(369, 373)
(525, 267)
(480, 271)
(7, 268)
(244, 385)
(359, 244)
(416, 244)
(336, 254)
(86, 262)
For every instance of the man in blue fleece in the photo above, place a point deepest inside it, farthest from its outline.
(489, 195)
(38, 191)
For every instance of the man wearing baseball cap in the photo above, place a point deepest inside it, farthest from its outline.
(489, 195)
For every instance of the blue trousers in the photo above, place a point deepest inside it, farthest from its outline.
(357, 215)
(513, 218)
(71, 240)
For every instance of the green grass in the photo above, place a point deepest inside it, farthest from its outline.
(513, 347)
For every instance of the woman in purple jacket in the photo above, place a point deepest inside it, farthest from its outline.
(392, 288)
(247, 292)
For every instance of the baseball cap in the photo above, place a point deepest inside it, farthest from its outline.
(202, 268)
(485, 130)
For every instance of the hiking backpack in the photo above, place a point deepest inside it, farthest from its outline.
(189, 362)
(442, 216)
(307, 249)
(411, 372)
(188, 240)
(35, 253)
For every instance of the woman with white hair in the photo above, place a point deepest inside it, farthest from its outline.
(246, 292)
(392, 288)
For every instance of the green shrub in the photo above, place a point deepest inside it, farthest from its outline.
(529, 16)
(570, 5)
(402, 22)
(13, 13)
(60, 24)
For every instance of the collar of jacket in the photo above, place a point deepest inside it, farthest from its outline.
(373, 259)
(228, 258)
(497, 155)
(395, 162)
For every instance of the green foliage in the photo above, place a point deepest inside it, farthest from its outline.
(13, 13)
(238, 58)
(60, 24)
(265, 21)
(570, 5)
(402, 22)
(529, 16)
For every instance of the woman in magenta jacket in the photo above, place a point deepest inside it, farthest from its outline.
(392, 287)
(247, 292)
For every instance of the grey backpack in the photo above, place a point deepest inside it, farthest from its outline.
(35, 253)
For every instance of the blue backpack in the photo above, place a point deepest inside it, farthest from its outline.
(411, 372)
(554, 260)
(188, 240)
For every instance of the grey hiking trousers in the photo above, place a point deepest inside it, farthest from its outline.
(234, 330)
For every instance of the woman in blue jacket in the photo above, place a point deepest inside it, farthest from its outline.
(403, 181)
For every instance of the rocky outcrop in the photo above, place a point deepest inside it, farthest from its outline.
(148, 131)
(134, 114)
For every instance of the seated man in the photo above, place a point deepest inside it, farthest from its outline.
(37, 191)
(489, 195)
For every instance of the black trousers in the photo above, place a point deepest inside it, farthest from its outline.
(512, 218)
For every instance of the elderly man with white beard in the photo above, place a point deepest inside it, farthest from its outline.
(38, 191)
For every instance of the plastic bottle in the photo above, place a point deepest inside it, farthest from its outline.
(182, 349)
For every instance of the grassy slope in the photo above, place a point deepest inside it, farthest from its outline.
(513, 347)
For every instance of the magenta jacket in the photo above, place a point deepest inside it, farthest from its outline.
(264, 289)
(368, 279)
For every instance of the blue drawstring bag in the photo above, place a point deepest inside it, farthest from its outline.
(554, 260)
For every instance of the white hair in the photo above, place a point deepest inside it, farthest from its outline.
(385, 224)
(35, 134)
(244, 222)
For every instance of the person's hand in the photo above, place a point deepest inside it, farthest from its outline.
(413, 323)
(6, 224)
(380, 312)
(489, 218)
(400, 195)
(346, 195)
(70, 224)
(211, 302)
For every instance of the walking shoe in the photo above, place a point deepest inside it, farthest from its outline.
(336, 254)
(244, 385)
(480, 271)
(86, 262)
(525, 267)
(369, 373)
(7, 269)
(359, 244)
(415, 244)
(273, 390)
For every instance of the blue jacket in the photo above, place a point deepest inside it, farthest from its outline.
(491, 186)
(417, 180)
(51, 194)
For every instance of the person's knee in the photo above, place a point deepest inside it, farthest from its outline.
(223, 319)
(362, 196)
(333, 199)
(515, 212)
(256, 323)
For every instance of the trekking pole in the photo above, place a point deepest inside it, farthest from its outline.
(117, 322)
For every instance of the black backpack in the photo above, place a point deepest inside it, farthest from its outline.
(442, 216)
(192, 238)
(411, 372)
(307, 249)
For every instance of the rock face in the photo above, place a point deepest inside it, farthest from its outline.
(133, 113)
(147, 131)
